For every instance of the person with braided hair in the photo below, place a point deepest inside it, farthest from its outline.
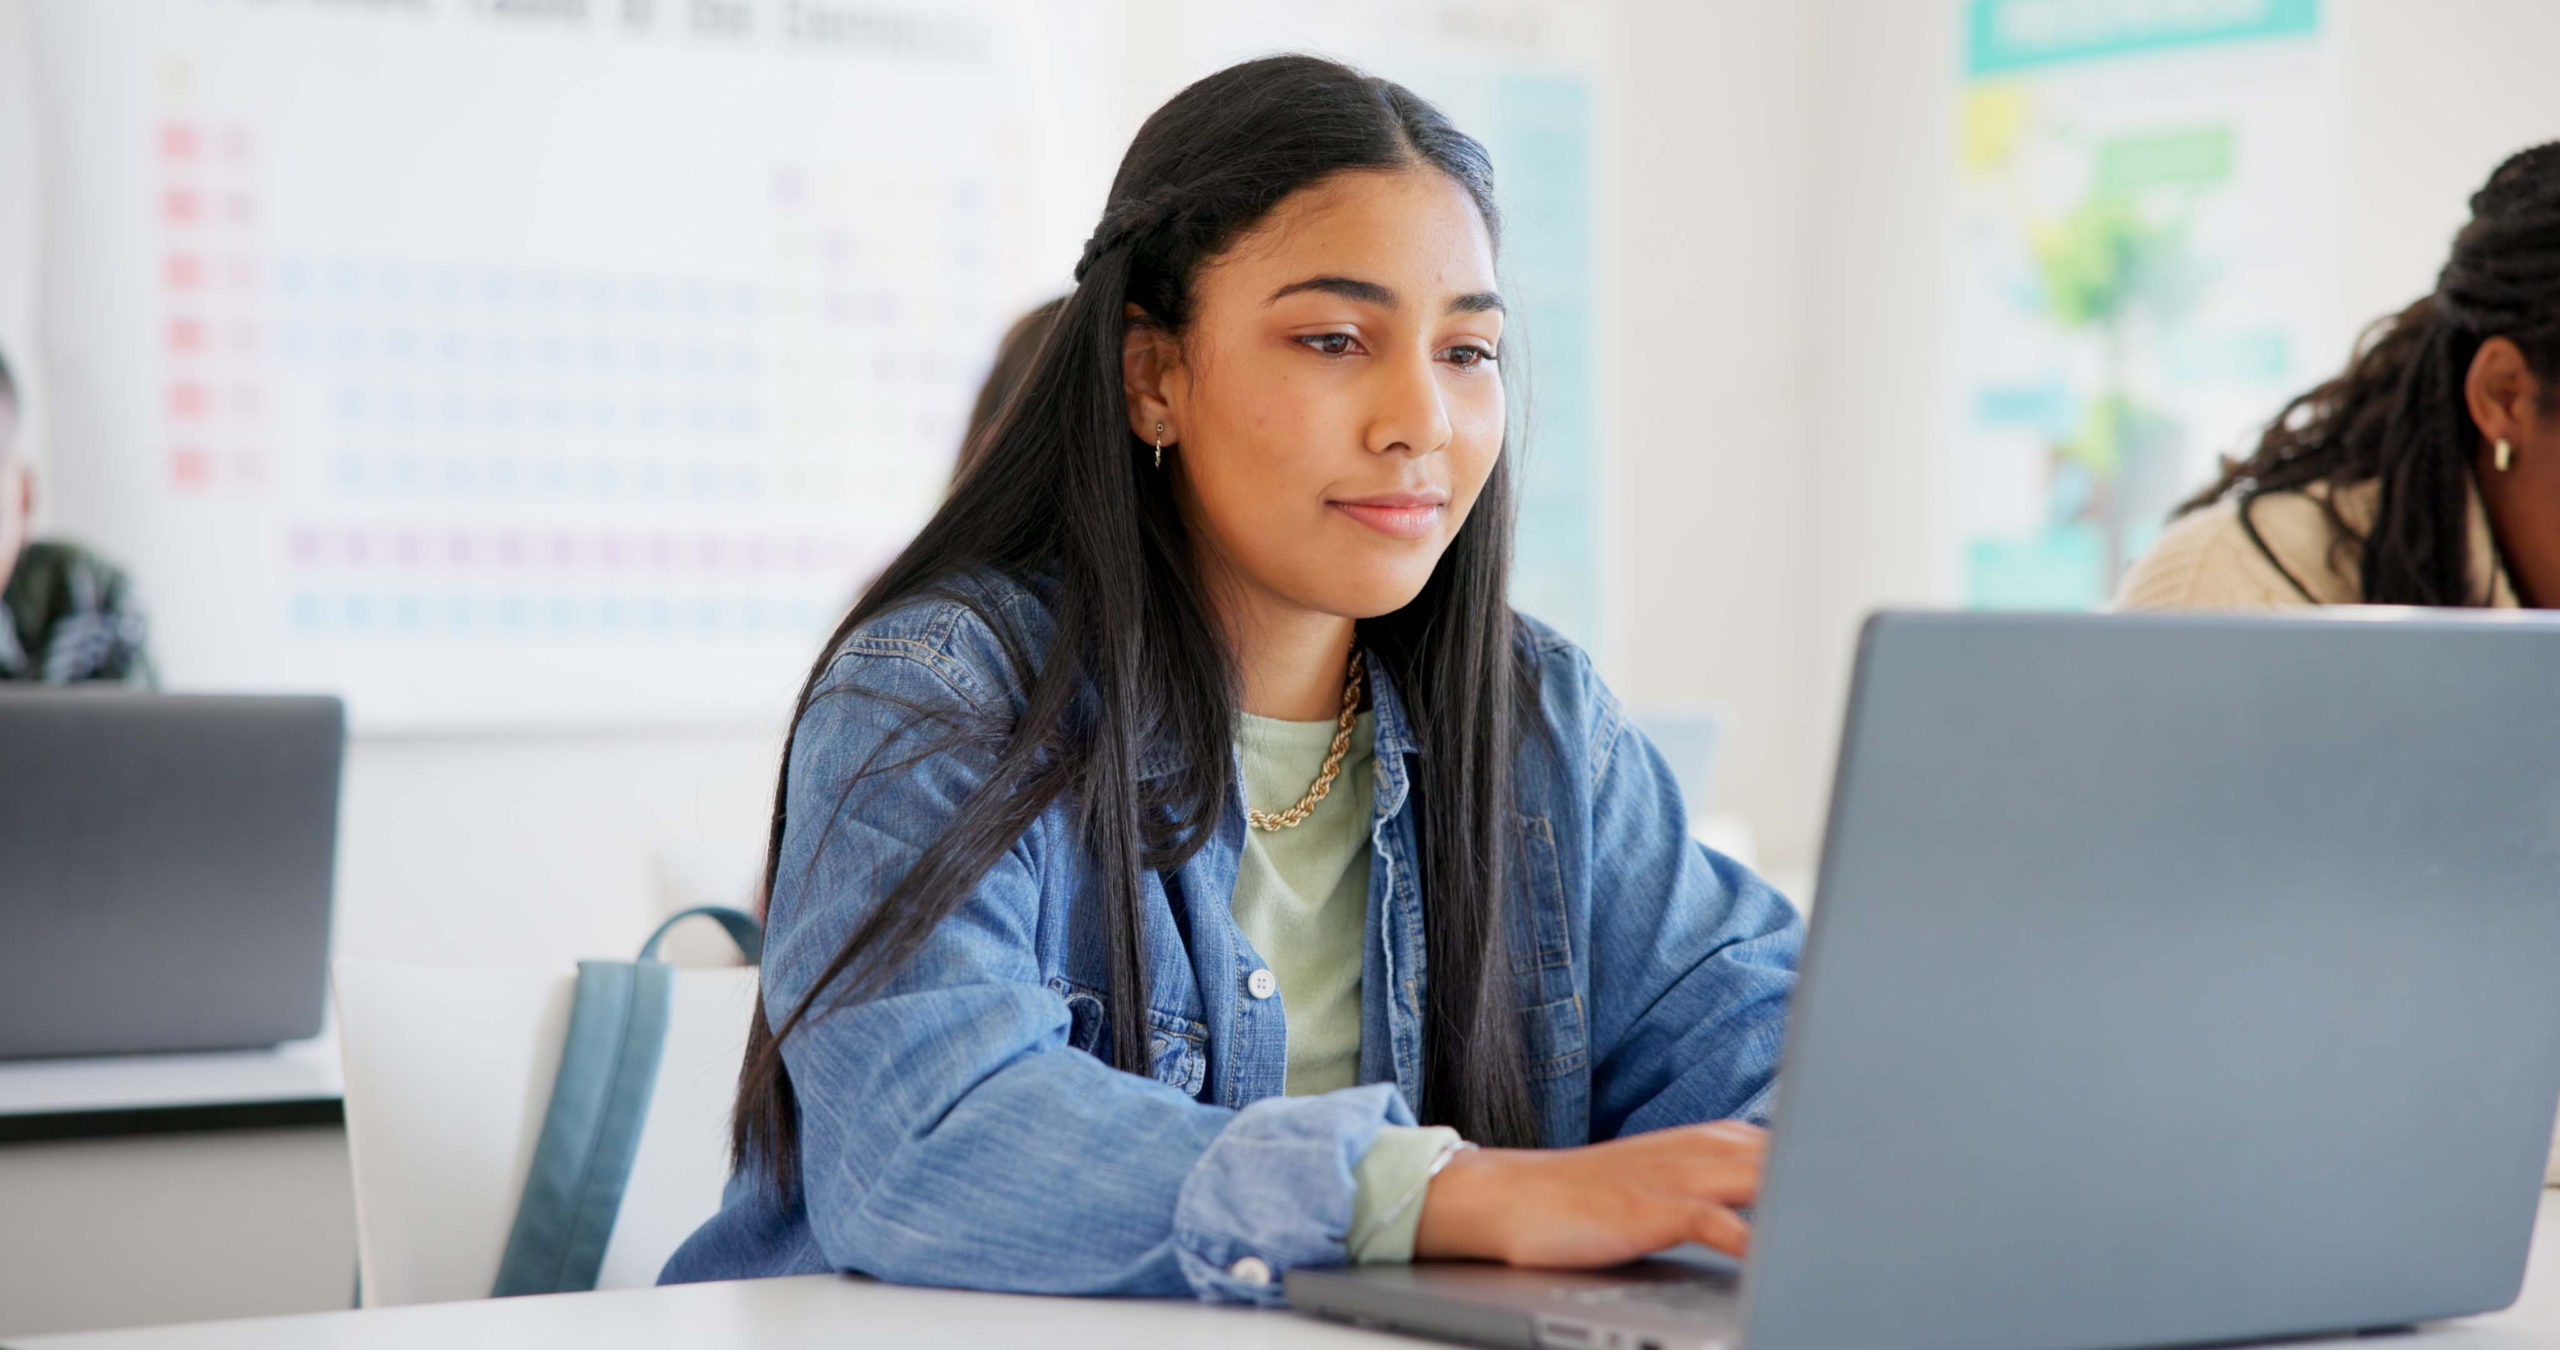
(2428, 472)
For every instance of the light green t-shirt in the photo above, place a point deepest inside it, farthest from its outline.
(1302, 900)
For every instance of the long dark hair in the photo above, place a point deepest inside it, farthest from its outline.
(1066, 496)
(1014, 351)
(2397, 415)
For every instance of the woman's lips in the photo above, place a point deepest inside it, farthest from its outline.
(1396, 515)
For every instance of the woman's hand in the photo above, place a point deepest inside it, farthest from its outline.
(1597, 1205)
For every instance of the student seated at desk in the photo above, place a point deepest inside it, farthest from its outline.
(2428, 472)
(1184, 856)
(66, 614)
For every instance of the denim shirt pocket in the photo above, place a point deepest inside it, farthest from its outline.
(1557, 1043)
(1545, 941)
(1542, 959)
(1178, 1047)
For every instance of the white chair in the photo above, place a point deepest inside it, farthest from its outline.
(448, 1074)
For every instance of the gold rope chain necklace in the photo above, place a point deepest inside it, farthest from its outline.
(1268, 820)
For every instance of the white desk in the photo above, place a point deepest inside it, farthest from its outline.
(293, 1084)
(819, 1311)
(218, 1181)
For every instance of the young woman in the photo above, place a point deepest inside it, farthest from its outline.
(1186, 814)
(2426, 474)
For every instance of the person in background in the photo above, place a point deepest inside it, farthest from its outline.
(1021, 342)
(70, 615)
(1186, 865)
(2428, 472)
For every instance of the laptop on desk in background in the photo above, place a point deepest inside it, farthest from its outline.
(2175, 980)
(165, 869)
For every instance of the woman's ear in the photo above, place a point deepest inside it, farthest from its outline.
(1150, 362)
(2504, 395)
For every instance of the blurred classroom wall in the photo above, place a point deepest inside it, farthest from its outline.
(1772, 390)
(577, 840)
(2427, 99)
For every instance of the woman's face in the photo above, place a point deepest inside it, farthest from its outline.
(1335, 407)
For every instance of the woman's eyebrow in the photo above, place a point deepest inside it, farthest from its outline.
(1371, 293)
(1349, 288)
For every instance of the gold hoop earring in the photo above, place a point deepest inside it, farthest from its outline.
(1160, 445)
(2506, 454)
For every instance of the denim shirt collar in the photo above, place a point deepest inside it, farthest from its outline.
(1393, 966)
(1395, 735)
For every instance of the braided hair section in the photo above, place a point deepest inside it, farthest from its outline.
(2397, 416)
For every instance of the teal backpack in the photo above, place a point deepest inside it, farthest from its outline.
(599, 1103)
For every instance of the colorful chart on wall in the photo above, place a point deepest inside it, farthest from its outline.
(533, 364)
(1524, 80)
(2142, 260)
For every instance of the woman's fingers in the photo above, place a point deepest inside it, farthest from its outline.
(1718, 1163)
(1722, 1139)
(1739, 1131)
(1722, 1229)
(1721, 1181)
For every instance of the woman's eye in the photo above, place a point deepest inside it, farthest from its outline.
(1330, 344)
(1468, 354)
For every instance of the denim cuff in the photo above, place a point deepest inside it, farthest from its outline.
(1273, 1191)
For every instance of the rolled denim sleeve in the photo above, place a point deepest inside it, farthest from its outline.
(1693, 956)
(950, 1134)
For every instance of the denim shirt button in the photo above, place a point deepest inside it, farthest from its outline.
(1252, 1269)
(1262, 984)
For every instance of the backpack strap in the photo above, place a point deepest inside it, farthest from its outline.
(740, 925)
(599, 1106)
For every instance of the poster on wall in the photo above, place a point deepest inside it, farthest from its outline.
(1526, 81)
(534, 366)
(2142, 257)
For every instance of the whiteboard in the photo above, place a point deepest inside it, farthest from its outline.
(534, 363)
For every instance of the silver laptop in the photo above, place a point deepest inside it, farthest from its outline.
(2174, 980)
(165, 869)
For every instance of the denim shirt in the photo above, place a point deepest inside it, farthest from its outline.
(965, 1127)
